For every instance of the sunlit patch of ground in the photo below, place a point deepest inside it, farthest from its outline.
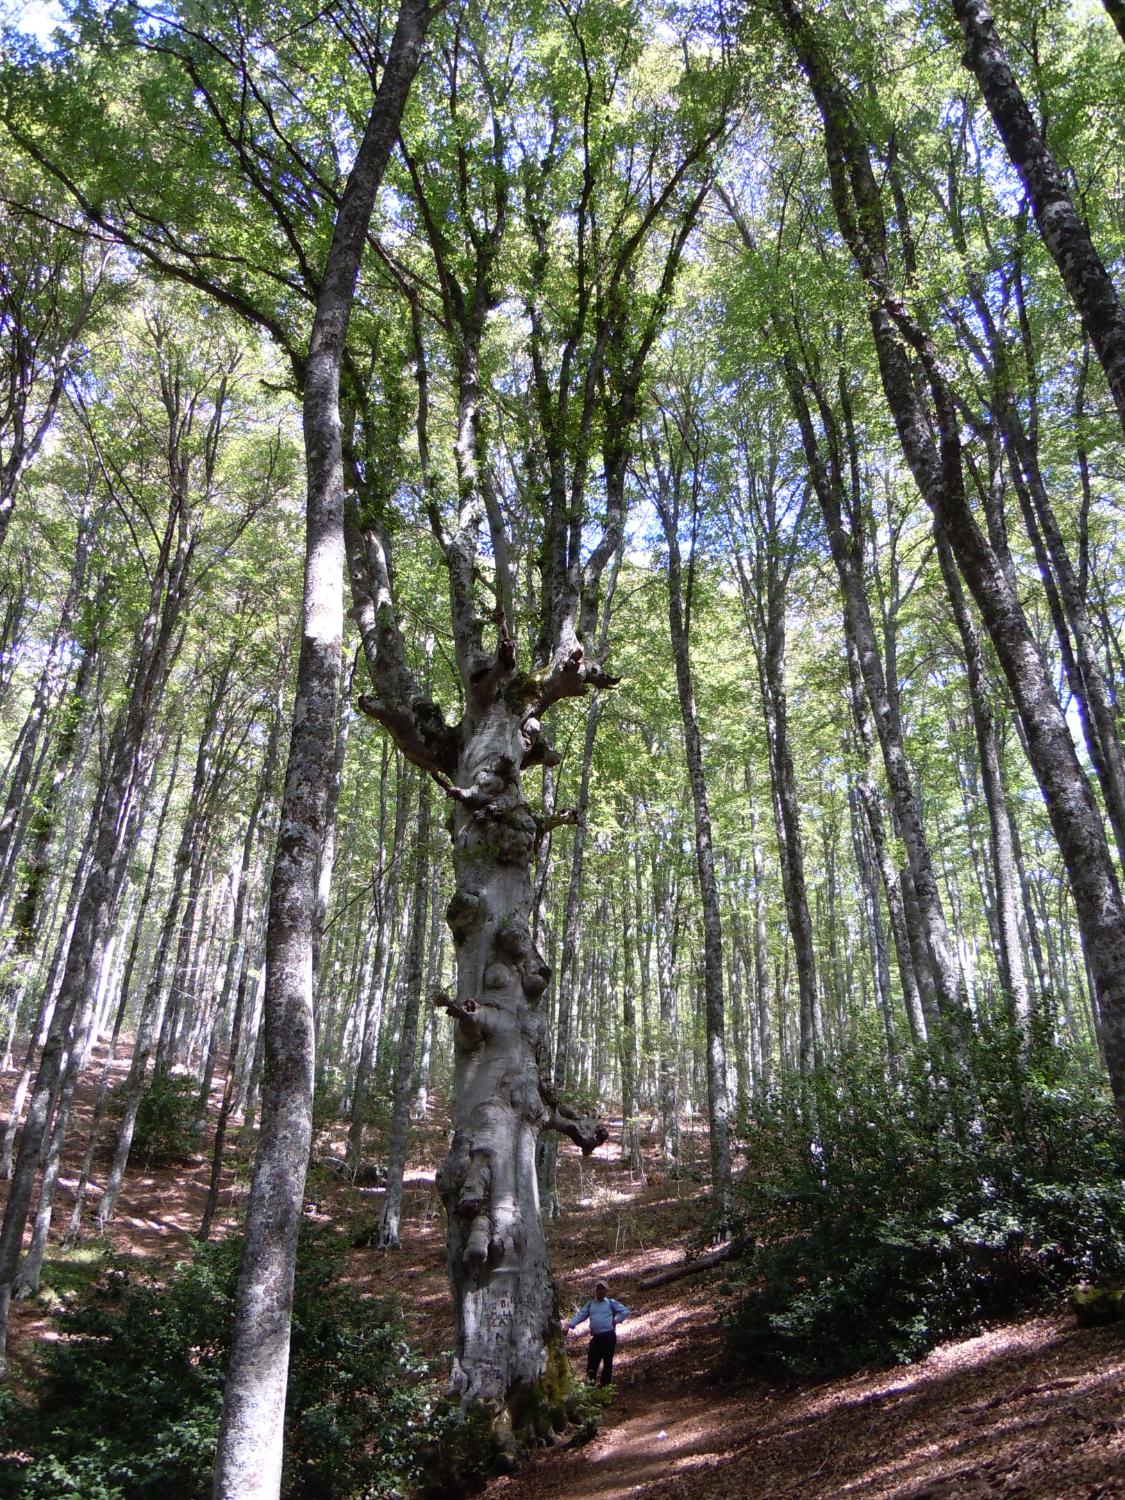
(1030, 1411)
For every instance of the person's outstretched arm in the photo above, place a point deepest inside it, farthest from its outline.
(579, 1317)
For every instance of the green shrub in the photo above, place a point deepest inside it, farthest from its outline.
(164, 1133)
(129, 1405)
(919, 1214)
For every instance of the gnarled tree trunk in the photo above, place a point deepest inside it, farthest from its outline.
(507, 1307)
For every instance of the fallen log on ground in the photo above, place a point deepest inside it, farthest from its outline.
(692, 1267)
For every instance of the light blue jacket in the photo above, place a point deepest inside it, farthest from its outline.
(602, 1315)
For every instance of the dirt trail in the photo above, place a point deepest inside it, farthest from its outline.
(1032, 1411)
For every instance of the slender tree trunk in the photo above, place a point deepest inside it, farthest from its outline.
(1062, 582)
(1031, 924)
(151, 1025)
(548, 1151)
(761, 940)
(791, 847)
(243, 941)
(126, 774)
(75, 1225)
(386, 886)
(845, 541)
(71, 741)
(872, 801)
(1065, 235)
(762, 581)
(328, 852)
(880, 963)
(718, 1103)
(568, 971)
(239, 1041)
(435, 951)
(1012, 975)
(46, 1011)
(25, 1283)
(630, 1125)
(408, 1036)
(937, 470)
(50, 678)
(666, 984)
(84, 1026)
(644, 939)
(248, 1464)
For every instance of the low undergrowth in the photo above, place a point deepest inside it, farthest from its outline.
(129, 1402)
(129, 1399)
(164, 1133)
(887, 1220)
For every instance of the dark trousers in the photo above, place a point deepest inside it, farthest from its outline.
(600, 1352)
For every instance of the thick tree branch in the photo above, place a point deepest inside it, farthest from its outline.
(572, 676)
(468, 1013)
(563, 818)
(415, 723)
(586, 1131)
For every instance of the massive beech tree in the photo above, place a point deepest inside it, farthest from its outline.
(605, 325)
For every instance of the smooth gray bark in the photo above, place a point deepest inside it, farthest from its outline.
(388, 1237)
(248, 1463)
(1064, 233)
(928, 428)
(668, 497)
(507, 1326)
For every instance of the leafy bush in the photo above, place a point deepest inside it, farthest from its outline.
(918, 1214)
(130, 1402)
(165, 1129)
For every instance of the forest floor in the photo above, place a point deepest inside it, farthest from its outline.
(1031, 1410)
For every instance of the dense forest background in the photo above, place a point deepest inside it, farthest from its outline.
(762, 371)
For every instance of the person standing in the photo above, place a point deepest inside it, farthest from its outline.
(604, 1314)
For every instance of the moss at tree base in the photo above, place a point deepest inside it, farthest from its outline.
(1095, 1305)
(488, 1440)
